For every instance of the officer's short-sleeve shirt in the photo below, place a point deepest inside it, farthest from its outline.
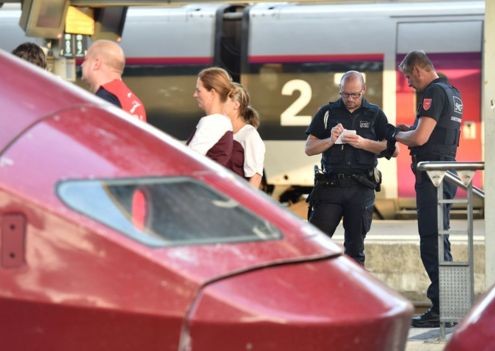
(443, 103)
(433, 101)
(318, 126)
(323, 122)
(369, 121)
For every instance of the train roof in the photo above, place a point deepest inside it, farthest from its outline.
(401, 9)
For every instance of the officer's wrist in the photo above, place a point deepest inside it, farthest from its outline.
(396, 134)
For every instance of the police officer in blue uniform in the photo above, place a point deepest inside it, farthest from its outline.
(349, 134)
(433, 137)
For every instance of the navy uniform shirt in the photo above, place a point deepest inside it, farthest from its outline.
(433, 101)
(443, 103)
(368, 120)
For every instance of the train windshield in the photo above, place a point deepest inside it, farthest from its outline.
(160, 212)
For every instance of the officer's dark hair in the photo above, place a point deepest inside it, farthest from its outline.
(31, 52)
(218, 79)
(416, 58)
(246, 111)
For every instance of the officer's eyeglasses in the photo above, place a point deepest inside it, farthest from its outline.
(351, 95)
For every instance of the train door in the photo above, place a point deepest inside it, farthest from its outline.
(229, 39)
(455, 49)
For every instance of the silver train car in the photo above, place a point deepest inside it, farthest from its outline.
(291, 57)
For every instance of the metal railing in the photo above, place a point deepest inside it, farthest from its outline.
(456, 278)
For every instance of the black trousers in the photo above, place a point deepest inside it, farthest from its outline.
(426, 205)
(355, 205)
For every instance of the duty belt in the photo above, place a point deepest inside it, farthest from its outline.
(345, 180)
(336, 179)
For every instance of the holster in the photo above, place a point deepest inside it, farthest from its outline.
(364, 180)
(311, 197)
(372, 180)
(377, 178)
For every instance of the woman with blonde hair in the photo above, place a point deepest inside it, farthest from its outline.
(249, 150)
(213, 134)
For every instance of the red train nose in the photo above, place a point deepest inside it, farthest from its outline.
(319, 305)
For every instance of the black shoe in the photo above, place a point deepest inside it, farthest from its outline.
(429, 319)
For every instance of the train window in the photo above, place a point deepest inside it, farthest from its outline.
(162, 212)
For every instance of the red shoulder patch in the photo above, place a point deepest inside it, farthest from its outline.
(426, 104)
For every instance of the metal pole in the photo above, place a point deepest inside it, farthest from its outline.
(470, 237)
(441, 248)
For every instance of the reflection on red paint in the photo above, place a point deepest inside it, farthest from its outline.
(139, 209)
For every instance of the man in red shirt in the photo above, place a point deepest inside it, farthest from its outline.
(102, 70)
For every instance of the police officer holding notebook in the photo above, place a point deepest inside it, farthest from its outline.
(349, 133)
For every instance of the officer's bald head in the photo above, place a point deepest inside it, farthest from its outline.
(352, 89)
(352, 76)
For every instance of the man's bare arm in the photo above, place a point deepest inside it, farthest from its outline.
(418, 136)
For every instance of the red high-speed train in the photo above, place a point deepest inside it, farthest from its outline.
(115, 236)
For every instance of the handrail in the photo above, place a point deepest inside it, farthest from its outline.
(448, 165)
(451, 176)
(449, 274)
(454, 178)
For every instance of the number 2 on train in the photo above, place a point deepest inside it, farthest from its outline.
(290, 116)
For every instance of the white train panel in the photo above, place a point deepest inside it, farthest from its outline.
(155, 32)
(445, 36)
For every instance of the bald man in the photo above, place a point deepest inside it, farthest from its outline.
(350, 135)
(102, 70)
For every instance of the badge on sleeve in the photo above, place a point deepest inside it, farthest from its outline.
(426, 104)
